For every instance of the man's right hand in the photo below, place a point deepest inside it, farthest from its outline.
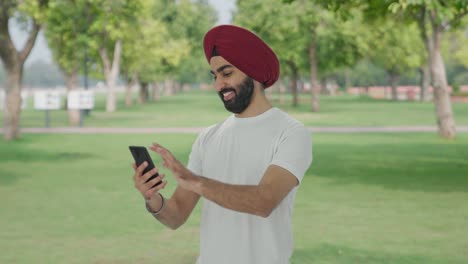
(146, 188)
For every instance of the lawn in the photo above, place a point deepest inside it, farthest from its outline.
(368, 198)
(196, 108)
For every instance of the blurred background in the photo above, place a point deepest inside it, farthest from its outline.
(381, 85)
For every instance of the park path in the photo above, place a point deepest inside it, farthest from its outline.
(194, 130)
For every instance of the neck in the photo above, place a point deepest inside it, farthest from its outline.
(258, 105)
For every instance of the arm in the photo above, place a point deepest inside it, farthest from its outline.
(176, 210)
(259, 199)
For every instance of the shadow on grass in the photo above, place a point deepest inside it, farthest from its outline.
(23, 155)
(9, 176)
(327, 253)
(428, 167)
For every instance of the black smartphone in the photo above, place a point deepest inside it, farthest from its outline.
(140, 155)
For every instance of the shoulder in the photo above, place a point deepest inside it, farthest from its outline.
(289, 123)
(208, 132)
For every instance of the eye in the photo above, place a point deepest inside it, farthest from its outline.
(227, 74)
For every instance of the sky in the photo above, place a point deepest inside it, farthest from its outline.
(42, 52)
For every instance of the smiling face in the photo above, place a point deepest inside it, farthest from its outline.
(234, 87)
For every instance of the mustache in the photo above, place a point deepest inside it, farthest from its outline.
(225, 90)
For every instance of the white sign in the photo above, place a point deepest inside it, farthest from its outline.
(80, 100)
(46, 100)
(24, 99)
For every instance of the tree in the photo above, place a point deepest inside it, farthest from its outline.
(307, 38)
(156, 48)
(277, 24)
(32, 14)
(442, 16)
(434, 18)
(66, 32)
(110, 23)
(396, 48)
(193, 20)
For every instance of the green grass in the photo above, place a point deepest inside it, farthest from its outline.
(195, 108)
(368, 198)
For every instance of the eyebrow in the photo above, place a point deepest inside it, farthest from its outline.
(220, 69)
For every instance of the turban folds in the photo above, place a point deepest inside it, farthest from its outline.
(245, 51)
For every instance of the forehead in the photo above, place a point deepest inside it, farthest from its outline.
(218, 61)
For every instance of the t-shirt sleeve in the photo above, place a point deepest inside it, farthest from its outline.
(294, 151)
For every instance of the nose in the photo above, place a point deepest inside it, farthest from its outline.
(219, 84)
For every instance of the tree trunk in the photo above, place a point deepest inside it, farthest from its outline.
(293, 82)
(314, 87)
(12, 110)
(424, 82)
(323, 85)
(169, 87)
(156, 91)
(72, 84)
(426, 69)
(177, 87)
(281, 90)
(129, 90)
(144, 93)
(443, 105)
(394, 84)
(13, 61)
(347, 79)
(112, 73)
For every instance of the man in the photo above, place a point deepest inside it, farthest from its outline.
(247, 167)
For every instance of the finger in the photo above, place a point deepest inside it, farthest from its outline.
(162, 151)
(134, 166)
(165, 154)
(149, 174)
(160, 186)
(149, 193)
(151, 183)
(142, 167)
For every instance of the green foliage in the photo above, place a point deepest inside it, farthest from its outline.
(32, 9)
(146, 46)
(66, 32)
(446, 13)
(395, 46)
(277, 24)
(168, 41)
(291, 28)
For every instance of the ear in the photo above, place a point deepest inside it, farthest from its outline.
(259, 86)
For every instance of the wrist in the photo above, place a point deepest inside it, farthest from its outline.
(198, 184)
(156, 201)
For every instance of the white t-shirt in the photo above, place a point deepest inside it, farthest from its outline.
(238, 151)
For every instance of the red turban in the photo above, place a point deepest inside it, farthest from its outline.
(245, 51)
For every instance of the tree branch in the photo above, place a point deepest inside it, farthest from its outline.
(8, 51)
(117, 55)
(23, 54)
(458, 17)
(105, 60)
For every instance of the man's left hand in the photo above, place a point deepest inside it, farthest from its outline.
(184, 177)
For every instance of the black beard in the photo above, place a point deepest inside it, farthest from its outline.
(240, 101)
